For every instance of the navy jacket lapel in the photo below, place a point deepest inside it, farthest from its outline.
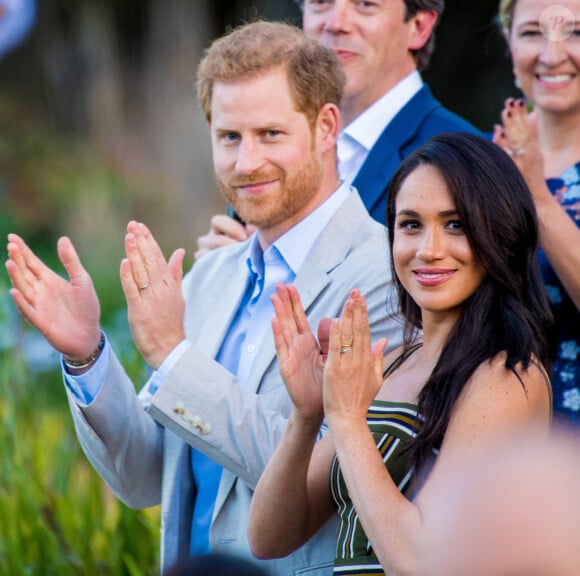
(387, 153)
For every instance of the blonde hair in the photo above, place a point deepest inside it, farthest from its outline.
(506, 13)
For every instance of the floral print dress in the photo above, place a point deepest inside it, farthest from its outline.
(566, 372)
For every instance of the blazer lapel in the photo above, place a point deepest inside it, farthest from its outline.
(310, 281)
(386, 155)
(223, 305)
(329, 250)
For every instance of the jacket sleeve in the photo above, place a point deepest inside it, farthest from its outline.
(122, 442)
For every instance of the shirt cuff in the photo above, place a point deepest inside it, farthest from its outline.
(86, 386)
(159, 375)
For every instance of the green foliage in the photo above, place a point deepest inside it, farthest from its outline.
(52, 183)
(56, 515)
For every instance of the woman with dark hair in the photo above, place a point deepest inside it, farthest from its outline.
(472, 370)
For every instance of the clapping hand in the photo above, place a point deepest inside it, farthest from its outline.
(224, 230)
(518, 136)
(152, 288)
(300, 357)
(65, 312)
(353, 373)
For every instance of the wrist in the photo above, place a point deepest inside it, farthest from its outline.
(307, 422)
(82, 364)
(158, 351)
(342, 424)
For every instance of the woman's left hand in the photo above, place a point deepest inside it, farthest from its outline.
(353, 372)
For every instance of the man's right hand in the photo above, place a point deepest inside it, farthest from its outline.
(223, 231)
(65, 312)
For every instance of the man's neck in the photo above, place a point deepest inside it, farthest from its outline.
(329, 185)
(354, 105)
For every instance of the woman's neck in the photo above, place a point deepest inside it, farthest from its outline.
(436, 330)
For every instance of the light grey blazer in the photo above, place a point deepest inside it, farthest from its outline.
(143, 454)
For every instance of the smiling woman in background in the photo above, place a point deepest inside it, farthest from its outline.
(544, 42)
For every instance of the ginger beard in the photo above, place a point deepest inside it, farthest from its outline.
(286, 197)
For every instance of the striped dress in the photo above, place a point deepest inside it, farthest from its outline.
(393, 426)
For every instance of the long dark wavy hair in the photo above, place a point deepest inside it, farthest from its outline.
(509, 311)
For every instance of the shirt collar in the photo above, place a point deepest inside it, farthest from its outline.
(368, 126)
(294, 246)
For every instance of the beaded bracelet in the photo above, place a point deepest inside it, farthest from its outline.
(86, 362)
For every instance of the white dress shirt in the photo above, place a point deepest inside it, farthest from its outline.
(357, 138)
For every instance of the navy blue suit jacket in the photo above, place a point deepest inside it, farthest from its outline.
(420, 119)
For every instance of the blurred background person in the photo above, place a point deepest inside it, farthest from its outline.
(16, 21)
(513, 509)
(544, 42)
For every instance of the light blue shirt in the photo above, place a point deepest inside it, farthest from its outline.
(279, 263)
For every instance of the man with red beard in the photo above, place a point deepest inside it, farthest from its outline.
(387, 111)
(201, 431)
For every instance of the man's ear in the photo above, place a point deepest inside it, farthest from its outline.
(328, 126)
(422, 26)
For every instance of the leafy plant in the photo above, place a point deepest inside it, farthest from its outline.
(56, 514)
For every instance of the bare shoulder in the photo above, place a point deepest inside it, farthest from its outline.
(493, 382)
(498, 399)
(496, 404)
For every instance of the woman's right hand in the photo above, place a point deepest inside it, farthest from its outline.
(518, 136)
(300, 358)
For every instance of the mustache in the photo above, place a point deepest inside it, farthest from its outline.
(254, 178)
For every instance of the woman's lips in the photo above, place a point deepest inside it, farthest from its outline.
(433, 277)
